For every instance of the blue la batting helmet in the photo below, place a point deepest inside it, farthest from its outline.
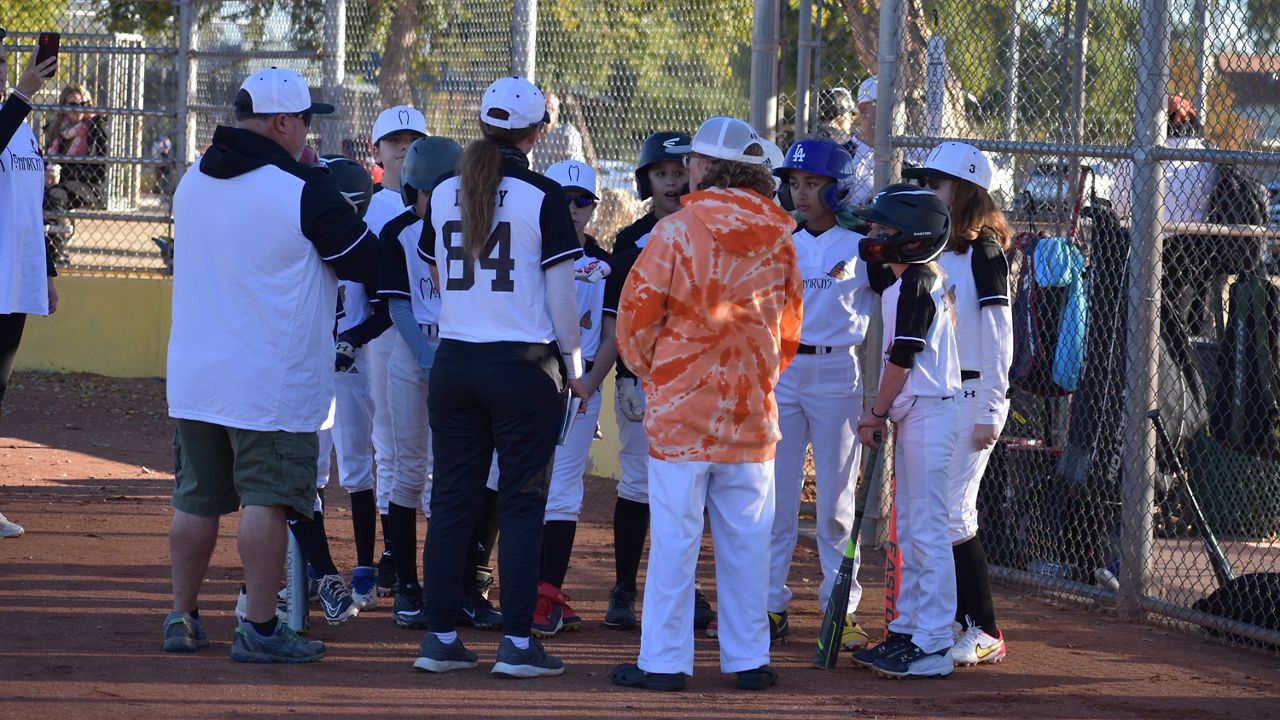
(819, 157)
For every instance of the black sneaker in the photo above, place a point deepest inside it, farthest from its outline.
(894, 644)
(779, 628)
(534, 662)
(388, 583)
(630, 675)
(762, 678)
(703, 615)
(478, 612)
(914, 662)
(434, 656)
(408, 611)
(621, 614)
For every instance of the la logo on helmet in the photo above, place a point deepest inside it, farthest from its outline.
(797, 155)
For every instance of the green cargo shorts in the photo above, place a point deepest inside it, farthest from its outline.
(217, 469)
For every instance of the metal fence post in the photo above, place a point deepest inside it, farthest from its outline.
(182, 145)
(1202, 18)
(1011, 87)
(804, 68)
(524, 38)
(1142, 351)
(333, 62)
(764, 68)
(888, 109)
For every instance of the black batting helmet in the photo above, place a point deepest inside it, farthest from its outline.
(427, 160)
(656, 148)
(353, 180)
(921, 222)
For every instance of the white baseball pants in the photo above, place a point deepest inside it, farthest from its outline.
(564, 496)
(377, 353)
(633, 454)
(353, 425)
(819, 401)
(407, 389)
(926, 435)
(739, 500)
(966, 468)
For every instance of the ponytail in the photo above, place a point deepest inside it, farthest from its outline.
(479, 173)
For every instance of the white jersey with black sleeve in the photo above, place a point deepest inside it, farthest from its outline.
(838, 299)
(403, 274)
(978, 280)
(920, 332)
(501, 296)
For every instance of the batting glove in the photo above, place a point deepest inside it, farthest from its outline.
(345, 356)
(592, 272)
(630, 399)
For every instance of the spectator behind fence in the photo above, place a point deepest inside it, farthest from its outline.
(1187, 184)
(560, 141)
(26, 266)
(78, 134)
(264, 241)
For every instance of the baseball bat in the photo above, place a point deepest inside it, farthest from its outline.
(832, 627)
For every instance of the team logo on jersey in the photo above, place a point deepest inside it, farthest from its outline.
(585, 322)
(837, 272)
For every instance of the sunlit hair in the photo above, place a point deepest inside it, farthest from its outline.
(729, 174)
(479, 173)
(617, 209)
(54, 128)
(972, 212)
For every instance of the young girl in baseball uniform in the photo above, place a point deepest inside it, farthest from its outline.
(918, 388)
(820, 394)
(564, 498)
(978, 278)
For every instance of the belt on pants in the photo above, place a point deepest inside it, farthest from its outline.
(431, 331)
(969, 375)
(816, 349)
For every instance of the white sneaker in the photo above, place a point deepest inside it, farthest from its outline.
(9, 529)
(977, 647)
(242, 606)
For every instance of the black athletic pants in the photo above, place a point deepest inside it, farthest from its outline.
(484, 397)
(11, 326)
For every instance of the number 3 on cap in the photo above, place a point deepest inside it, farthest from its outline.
(502, 265)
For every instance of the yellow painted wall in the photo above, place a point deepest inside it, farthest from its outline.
(119, 327)
(109, 326)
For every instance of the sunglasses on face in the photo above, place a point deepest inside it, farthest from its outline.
(305, 117)
(931, 183)
(82, 103)
(580, 201)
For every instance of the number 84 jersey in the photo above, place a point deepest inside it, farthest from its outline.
(501, 295)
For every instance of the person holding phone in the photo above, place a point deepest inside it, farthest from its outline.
(26, 265)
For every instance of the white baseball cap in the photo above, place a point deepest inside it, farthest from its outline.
(396, 119)
(518, 99)
(867, 91)
(955, 161)
(575, 175)
(279, 91)
(726, 138)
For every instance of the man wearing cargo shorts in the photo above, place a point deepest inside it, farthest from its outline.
(263, 240)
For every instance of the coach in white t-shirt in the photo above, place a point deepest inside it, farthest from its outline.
(262, 242)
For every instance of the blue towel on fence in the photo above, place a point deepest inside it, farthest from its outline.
(1058, 263)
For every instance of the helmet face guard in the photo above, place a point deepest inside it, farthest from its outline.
(920, 222)
(655, 149)
(818, 157)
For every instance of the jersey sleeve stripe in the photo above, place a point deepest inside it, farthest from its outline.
(908, 338)
(403, 293)
(566, 255)
(609, 311)
(344, 252)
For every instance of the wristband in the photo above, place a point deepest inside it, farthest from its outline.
(21, 95)
(878, 415)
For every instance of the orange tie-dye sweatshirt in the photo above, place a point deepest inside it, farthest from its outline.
(709, 318)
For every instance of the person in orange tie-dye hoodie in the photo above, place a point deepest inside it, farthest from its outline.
(710, 317)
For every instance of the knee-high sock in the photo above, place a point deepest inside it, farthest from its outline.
(315, 544)
(364, 520)
(557, 546)
(973, 586)
(404, 543)
(630, 526)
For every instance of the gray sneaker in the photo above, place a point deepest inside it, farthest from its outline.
(183, 633)
(284, 646)
(534, 662)
(434, 656)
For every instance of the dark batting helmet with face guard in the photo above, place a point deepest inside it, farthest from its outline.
(918, 226)
(655, 149)
(353, 180)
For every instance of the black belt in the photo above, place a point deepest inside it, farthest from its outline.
(814, 349)
(969, 375)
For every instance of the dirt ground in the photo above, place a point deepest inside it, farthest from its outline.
(85, 467)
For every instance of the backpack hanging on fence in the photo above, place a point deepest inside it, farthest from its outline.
(1049, 314)
(1236, 199)
(1245, 411)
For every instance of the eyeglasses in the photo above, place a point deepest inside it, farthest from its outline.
(688, 157)
(305, 117)
(928, 182)
(581, 201)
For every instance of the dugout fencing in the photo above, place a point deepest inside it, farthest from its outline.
(1149, 303)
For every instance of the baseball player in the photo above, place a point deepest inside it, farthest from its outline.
(977, 275)
(502, 244)
(921, 377)
(564, 500)
(820, 394)
(662, 176)
(710, 316)
(393, 132)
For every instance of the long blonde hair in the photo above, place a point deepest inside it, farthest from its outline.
(54, 128)
(479, 173)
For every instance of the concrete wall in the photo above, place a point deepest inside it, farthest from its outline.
(119, 327)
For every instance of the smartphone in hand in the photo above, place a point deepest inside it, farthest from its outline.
(47, 46)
